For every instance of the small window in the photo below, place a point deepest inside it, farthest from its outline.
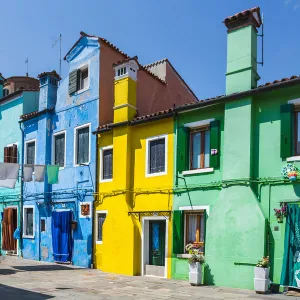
(200, 149)
(82, 145)
(28, 221)
(100, 221)
(156, 156)
(43, 225)
(59, 149)
(107, 164)
(85, 209)
(84, 79)
(195, 229)
(11, 154)
(122, 71)
(30, 152)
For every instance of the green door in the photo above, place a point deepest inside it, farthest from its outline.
(157, 241)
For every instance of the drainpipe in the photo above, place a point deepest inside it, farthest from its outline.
(22, 186)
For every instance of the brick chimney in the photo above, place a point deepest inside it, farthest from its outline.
(48, 89)
(241, 72)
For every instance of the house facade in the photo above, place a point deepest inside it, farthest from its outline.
(230, 154)
(18, 95)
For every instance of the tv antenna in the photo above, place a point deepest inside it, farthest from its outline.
(53, 45)
(262, 40)
(26, 63)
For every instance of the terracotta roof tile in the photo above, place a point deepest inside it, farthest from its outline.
(243, 15)
(150, 116)
(52, 73)
(35, 114)
(280, 80)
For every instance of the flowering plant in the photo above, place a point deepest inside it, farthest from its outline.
(280, 212)
(290, 172)
(264, 262)
(196, 255)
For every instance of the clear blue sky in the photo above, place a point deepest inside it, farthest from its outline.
(188, 32)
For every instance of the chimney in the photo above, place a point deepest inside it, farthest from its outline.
(1, 85)
(125, 89)
(48, 89)
(241, 72)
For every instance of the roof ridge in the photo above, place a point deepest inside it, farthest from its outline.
(156, 62)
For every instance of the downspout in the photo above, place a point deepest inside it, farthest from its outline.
(21, 192)
(176, 149)
(94, 202)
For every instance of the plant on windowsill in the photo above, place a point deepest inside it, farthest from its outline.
(196, 260)
(290, 172)
(281, 212)
(261, 275)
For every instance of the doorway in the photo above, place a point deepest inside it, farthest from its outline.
(154, 246)
(9, 225)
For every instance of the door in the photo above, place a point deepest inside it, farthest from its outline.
(9, 225)
(157, 236)
(61, 236)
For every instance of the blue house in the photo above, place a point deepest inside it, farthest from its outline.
(60, 133)
(18, 95)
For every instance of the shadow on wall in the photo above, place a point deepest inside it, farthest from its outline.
(208, 276)
(14, 293)
(296, 188)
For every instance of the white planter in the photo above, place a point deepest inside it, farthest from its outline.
(261, 285)
(195, 273)
(262, 273)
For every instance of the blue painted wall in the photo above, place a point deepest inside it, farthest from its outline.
(10, 110)
(76, 183)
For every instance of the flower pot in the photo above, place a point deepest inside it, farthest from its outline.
(292, 178)
(261, 285)
(195, 274)
(261, 273)
(279, 219)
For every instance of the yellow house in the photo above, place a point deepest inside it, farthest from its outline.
(134, 199)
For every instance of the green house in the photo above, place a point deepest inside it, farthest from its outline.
(230, 153)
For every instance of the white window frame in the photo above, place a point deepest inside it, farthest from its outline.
(35, 148)
(98, 212)
(102, 149)
(82, 68)
(75, 142)
(24, 221)
(91, 208)
(147, 163)
(53, 147)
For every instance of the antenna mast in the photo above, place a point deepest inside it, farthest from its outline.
(262, 40)
(54, 43)
(26, 63)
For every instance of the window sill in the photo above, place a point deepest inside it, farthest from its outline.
(184, 255)
(28, 236)
(156, 174)
(82, 165)
(82, 91)
(198, 171)
(293, 158)
(105, 180)
(98, 242)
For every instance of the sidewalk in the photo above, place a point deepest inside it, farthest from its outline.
(32, 280)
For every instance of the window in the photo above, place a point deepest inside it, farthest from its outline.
(199, 149)
(83, 79)
(297, 131)
(106, 164)
(82, 145)
(11, 153)
(30, 152)
(43, 225)
(156, 155)
(85, 210)
(59, 148)
(122, 71)
(100, 219)
(28, 221)
(195, 228)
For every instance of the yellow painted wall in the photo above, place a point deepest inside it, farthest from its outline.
(120, 251)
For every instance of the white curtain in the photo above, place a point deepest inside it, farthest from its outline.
(192, 228)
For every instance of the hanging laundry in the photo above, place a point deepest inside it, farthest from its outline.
(39, 172)
(17, 234)
(9, 174)
(27, 173)
(52, 173)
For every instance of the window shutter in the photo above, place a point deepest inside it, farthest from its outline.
(178, 234)
(215, 144)
(183, 141)
(14, 154)
(286, 130)
(74, 81)
(6, 154)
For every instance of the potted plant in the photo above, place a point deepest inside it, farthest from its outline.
(196, 260)
(281, 212)
(261, 275)
(290, 172)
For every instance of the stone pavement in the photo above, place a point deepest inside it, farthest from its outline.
(32, 280)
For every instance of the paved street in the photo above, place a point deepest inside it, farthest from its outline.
(26, 279)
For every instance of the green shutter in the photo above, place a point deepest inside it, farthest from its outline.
(73, 81)
(178, 235)
(183, 149)
(215, 144)
(286, 130)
